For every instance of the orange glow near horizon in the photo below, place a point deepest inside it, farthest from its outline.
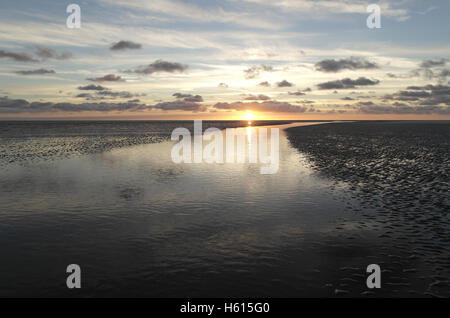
(249, 117)
(223, 115)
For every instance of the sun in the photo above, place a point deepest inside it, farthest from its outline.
(249, 116)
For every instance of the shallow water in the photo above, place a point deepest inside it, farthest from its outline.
(140, 225)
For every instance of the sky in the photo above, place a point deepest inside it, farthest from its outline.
(229, 59)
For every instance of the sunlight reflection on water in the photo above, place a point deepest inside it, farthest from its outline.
(133, 218)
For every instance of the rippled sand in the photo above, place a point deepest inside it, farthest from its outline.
(26, 142)
(140, 225)
(400, 172)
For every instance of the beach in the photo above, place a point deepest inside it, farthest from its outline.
(140, 225)
(401, 170)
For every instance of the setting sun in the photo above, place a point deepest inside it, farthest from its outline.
(249, 116)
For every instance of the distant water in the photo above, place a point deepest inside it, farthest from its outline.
(108, 197)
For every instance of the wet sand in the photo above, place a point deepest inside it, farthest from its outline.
(25, 142)
(140, 225)
(400, 173)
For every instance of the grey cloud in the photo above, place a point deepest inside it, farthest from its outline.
(124, 45)
(264, 84)
(403, 109)
(257, 97)
(431, 69)
(435, 89)
(107, 78)
(92, 87)
(352, 63)
(160, 66)
(108, 94)
(284, 83)
(347, 83)
(46, 53)
(18, 56)
(180, 105)
(189, 97)
(84, 95)
(122, 94)
(414, 94)
(222, 85)
(297, 93)
(423, 95)
(36, 72)
(266, 106)
(365, 103)
(8, 105)
(255, 71)
(433, 63)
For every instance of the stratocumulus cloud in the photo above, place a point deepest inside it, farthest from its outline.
(188, 97)
(284, 83)
(432, 95)
(18, 56)
(160, 66)
(125, 45)
(352, 63)
(347, 83)
(404, 109)
(15, 106)
(92, 87)
(264, 84)
(255, 71)
(40, 71)
(266, 106)
(107, 78)
(257, 97)
(46, 53)
(180, 105)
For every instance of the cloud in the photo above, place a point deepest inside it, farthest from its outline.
(46, 53)
(18, 56)
(257, 97)
(347, 83)
(111, 94)
(86, 95)
(125, 45)
(436, 89)
(160, 66)
(106, 94)
(297, 93)
(184, 102)
(42, 52)
(433, 63)
(320, 9)
(284, 83)
(352, 63)
(419, 94)
(15, 106)
(92, 87)
(430, 69)
(403, 109)
(222, 85)
(107, 78)
(266, 106)
(188, 97)
(180, 105)
(255, 71)
(430, 94)
(40, 71)
(306, 102)
(264, 84)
